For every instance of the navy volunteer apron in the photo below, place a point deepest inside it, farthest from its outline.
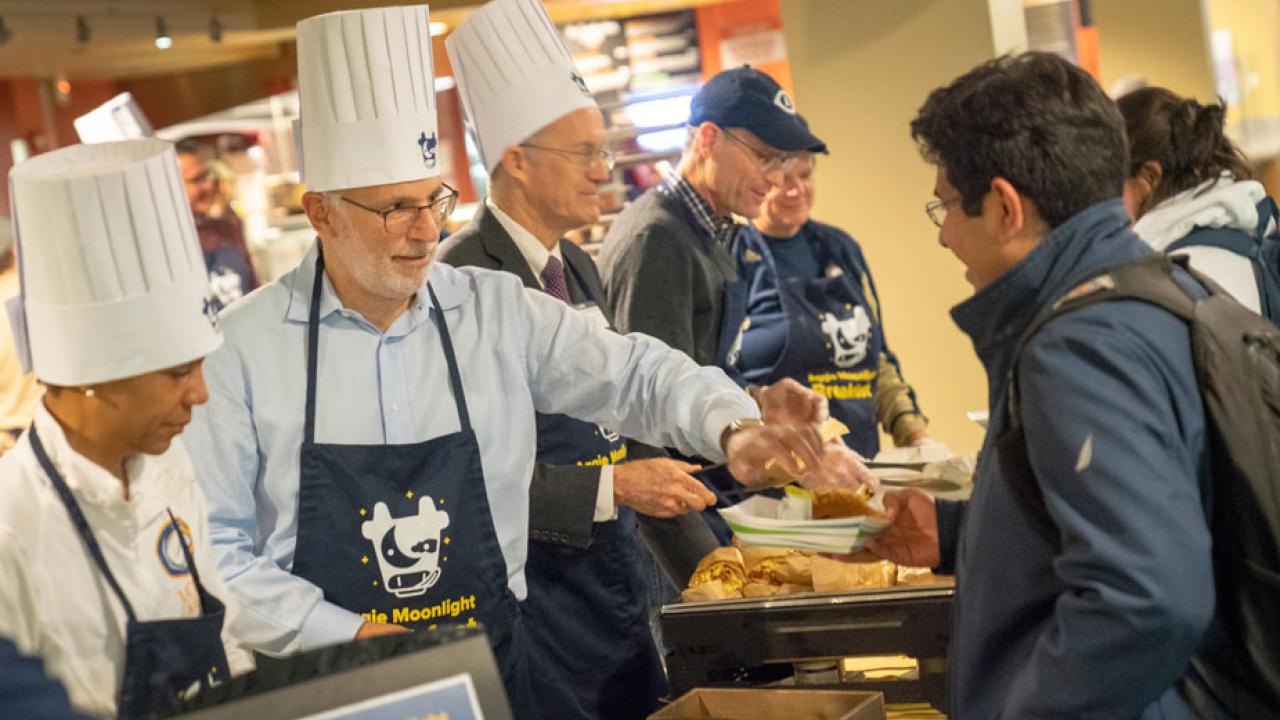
(829, 336)
(587, 611)
(733, 325)
(402, 533)
(162, 658)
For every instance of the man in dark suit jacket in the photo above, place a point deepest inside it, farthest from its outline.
(587, 611)
(564, 496)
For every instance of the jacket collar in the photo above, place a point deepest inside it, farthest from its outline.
(996, 316)
(499, 245)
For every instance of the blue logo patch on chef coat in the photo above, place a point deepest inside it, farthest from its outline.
(169, 549)
(428, 147)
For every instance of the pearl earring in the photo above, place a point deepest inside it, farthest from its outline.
(89, 392)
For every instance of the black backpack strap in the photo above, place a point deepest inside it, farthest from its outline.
(1150, 280)
(1268, 217)
(1230, 239)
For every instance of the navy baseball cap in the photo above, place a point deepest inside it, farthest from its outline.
(747, 98)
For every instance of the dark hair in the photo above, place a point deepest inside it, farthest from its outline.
(1033, 119)
(1185, 137)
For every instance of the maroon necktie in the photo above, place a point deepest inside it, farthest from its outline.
(553, 279)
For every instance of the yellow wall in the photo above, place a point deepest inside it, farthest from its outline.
(1164, 41)
(1255, 27)
(862, 68)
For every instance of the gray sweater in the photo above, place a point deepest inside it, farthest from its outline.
(663, 276)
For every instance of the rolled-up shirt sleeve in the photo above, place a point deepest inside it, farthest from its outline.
(633, 383)
(279, 612)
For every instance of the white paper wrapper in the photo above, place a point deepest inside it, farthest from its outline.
(943, 468)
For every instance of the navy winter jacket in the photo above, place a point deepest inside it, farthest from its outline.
(1103, 624)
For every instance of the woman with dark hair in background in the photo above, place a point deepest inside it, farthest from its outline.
(1192, 192)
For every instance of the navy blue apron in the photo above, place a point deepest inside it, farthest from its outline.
(587, 610)
(733, 324)
(403, 533)
(162, 658)
(829, 335)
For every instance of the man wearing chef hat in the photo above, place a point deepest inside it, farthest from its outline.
(19, 391)
(226, 256)
(541, 138)
(104, 533)
(370, 435)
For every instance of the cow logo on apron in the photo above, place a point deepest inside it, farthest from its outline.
(407, 548)
(225, 286)
(848, 337)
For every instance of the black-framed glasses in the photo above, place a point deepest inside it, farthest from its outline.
(936, 209)
(769, 162)
(586, 157)
(398, 219)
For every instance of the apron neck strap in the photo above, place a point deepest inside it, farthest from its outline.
(313, 353)
(186, 552)
(455, 377)
(313, 347)
(755, 240)
(79, 521)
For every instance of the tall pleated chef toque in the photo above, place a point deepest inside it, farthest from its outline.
(514, 74)
(367, 98)
(119, 118)
(113, 280)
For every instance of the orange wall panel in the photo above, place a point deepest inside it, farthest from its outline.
(746, 29)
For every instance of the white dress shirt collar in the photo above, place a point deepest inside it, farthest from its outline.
(149, 477)
(534, 252)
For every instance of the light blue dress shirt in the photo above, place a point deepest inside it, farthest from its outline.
(519, 351)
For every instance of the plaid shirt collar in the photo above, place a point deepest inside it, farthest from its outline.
(717, 227)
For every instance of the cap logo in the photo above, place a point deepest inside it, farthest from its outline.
(582, 84)
(783, 101)
(428, 147)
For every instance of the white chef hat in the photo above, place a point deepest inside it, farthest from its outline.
(514, 74)
(119, 118)
(367, 100)
(113, 280)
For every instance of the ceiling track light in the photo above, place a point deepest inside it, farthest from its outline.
(163, 41)
(215, 28)
(82, 30)
(5, 35)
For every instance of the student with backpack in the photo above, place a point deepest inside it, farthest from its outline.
(1093, 577)
(1192, 192)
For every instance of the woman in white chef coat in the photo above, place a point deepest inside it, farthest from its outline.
(104, 546)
